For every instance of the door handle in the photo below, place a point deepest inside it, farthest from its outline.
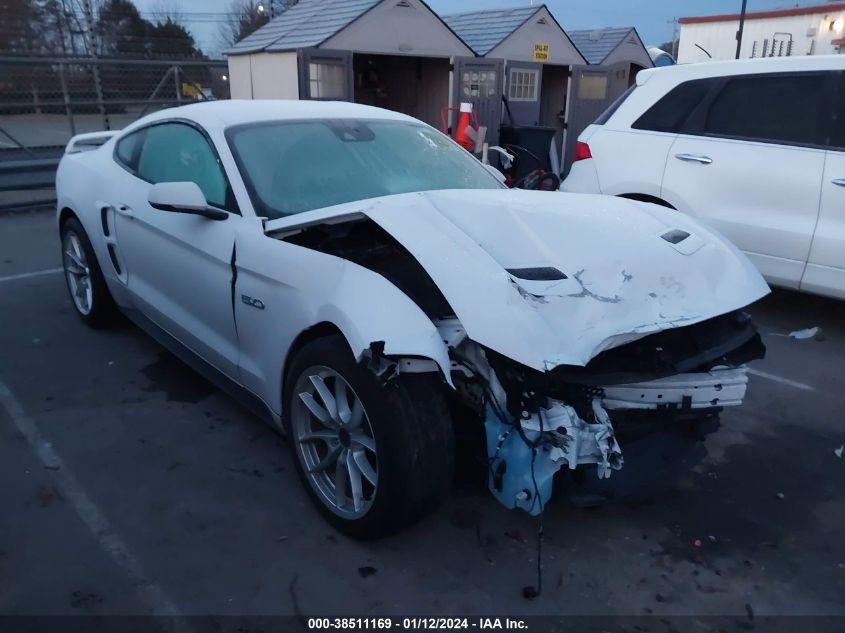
(694, 158)
(839, 182)
(125, 211)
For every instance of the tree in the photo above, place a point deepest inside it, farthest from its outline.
(169, 39)
(245, 17)
(121, 31)
(19, 27)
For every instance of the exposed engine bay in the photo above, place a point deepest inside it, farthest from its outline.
(541, 417)
(538, 423)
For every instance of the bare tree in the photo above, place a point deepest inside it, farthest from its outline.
(164, 11)
(245, 17)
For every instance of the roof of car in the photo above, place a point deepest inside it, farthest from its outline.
(230, 112)
(744, 67)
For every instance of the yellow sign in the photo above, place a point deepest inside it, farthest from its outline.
(541, 52)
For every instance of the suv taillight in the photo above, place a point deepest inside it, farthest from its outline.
(582, 152)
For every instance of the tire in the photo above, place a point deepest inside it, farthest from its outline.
(86, 286)
(407, 423)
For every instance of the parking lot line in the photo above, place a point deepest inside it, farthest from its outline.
(38, 273)
(93, 518)
(784, 381)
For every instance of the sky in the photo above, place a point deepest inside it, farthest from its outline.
(654, 19)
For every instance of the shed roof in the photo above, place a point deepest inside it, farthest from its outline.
(307, 23)
(485, 30)
(596, 44)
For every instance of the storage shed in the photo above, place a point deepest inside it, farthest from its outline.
(395, 54)
(607, 47)
(537, 53)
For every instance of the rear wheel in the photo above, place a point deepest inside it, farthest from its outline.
(373, 458)
(85, 283)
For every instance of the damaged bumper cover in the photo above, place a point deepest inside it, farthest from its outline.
(537, 423)
(524, 455)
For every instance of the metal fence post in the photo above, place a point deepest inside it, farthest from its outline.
(95, 67)
(66, 99)
(176, 83)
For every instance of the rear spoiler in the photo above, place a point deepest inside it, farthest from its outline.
(92, 140)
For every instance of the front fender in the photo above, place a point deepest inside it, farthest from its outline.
(299, 288)
(368, 309)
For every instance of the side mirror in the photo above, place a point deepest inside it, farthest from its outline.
(496, 173)
(182, 197)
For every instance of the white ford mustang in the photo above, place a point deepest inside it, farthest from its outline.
(353, 274)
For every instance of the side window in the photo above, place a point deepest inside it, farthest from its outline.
(774, 108)
(175, 152)
(127, 150)
(672, 110)
(837, 124)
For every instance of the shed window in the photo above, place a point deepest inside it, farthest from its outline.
(327, 81)
(523, 85)
(479, 83)
(592, 86)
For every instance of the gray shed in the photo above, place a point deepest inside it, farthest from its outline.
(395, 54)
(613, 46)
(538, 56)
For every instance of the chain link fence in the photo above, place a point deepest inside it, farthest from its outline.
(45, 101)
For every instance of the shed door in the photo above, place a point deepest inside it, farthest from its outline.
(523, 93)
(479, 81)
(325, 75)
(591, 91)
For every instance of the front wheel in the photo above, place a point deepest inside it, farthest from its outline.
(85, 283)
(373, 458)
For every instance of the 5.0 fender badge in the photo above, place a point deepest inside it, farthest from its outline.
(250, 301)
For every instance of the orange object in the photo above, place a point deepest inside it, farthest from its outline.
(467, 127)
(463, 136)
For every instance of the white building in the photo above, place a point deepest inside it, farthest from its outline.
(815, 30)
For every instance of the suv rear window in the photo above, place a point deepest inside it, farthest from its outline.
(774, 108)
(604, 116)
(670, 112)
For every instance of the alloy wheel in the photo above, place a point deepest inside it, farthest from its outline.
(335, 442)
(77, 272)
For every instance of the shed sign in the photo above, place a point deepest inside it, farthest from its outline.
(541, 52)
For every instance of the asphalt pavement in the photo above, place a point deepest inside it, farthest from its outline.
(131, 486)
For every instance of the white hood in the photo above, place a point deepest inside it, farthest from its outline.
(623, 279)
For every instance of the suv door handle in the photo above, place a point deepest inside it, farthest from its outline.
(125, 211)
(839, 182)
(694, 158)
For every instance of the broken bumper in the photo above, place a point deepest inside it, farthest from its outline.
(722, 387)
(525, 456)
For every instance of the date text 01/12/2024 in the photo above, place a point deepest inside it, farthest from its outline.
(414, 624)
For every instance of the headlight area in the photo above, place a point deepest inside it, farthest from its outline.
(537, 423)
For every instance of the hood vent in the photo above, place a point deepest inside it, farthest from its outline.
(538, 274)
(675, 236)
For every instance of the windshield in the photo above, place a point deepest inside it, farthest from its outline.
(296, 166)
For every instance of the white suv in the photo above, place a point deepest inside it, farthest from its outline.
(755, 147)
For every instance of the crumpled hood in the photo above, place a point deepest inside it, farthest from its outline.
(628, 268)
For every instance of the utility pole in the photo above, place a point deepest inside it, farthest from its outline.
(741, 27)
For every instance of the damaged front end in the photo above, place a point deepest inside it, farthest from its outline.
(559, 342)
(537, 423)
